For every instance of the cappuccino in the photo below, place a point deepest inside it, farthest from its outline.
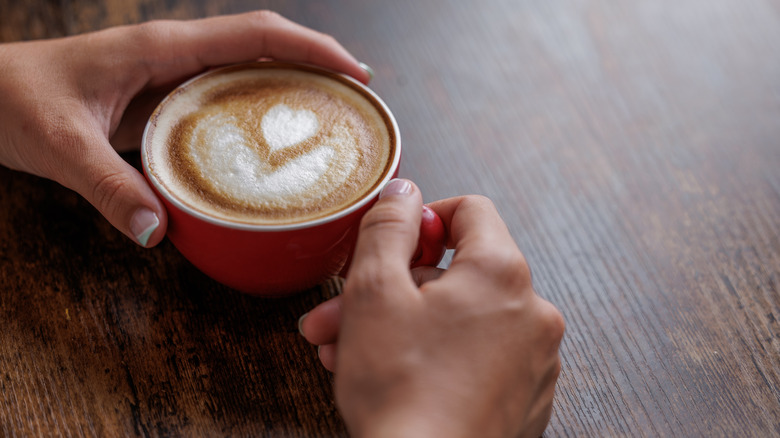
(269, 144)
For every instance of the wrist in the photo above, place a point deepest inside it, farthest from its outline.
(401, 427)
(414, 422)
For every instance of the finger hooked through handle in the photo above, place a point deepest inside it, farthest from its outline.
(431, 246)
(433, 240)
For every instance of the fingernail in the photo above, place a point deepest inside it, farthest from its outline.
(368, 70)
(396, 187)
(143, 224)
(300, 324)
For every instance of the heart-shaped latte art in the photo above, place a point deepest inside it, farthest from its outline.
(284, 127)
(232, 165)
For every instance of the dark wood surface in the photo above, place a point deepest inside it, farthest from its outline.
(632, 147)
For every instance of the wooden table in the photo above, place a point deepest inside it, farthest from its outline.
(632, 147)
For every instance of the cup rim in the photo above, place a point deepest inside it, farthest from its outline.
(355, 206)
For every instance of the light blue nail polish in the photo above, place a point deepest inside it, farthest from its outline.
(143, 224)
(300, 324)
(368, 69)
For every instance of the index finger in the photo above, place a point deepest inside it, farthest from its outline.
(485, 252)
(471, 217)
(181, 48)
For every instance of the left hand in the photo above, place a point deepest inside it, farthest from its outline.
(69, 105)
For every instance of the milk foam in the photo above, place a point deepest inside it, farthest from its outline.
(233, 167)
(284, 127)
(268, 147)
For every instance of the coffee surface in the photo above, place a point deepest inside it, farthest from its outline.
(268, 145)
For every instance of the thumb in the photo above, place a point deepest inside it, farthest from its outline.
(118, 191)
(389, 231)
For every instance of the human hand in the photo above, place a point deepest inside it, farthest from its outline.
(69, 105)
(470, 351)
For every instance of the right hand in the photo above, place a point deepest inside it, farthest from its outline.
(470, 351)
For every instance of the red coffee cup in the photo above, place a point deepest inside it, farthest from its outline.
(276, 260)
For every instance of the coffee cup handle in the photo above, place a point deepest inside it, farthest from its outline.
(431, 246)
(433, 240)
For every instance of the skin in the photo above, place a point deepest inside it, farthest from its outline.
(470, 351)
(70, 105)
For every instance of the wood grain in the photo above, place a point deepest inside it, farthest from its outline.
(632, 147)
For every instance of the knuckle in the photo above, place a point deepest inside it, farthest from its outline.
(366, 286)
(64, 141)
(149, 38)
(145, 30)
(512, 262)
(368, 277)
(139, 48)
(556, 369)
(506, 264)
(552, 322)
(478, 202)
(150, 32)
(107, 191)
(265, 16)
(328, 39)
